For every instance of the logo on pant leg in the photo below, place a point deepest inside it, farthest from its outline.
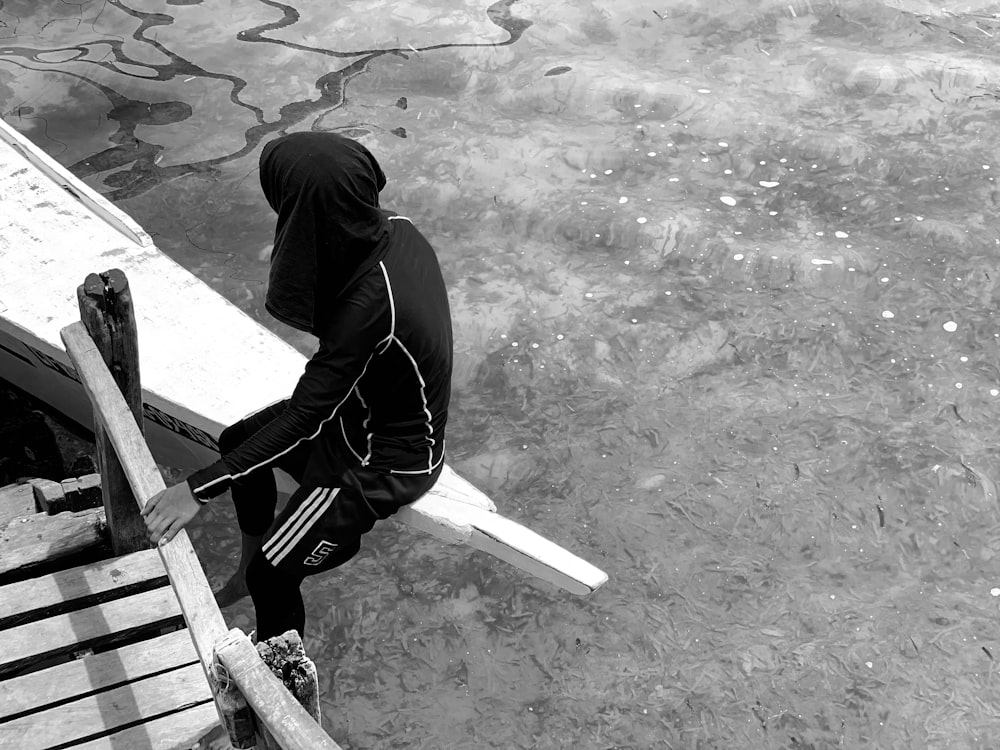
(319, 554)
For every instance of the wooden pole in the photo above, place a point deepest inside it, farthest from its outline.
(201, 613)
(106, 311)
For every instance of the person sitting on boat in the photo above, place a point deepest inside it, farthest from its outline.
(364, 430)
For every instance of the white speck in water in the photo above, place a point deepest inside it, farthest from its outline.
(920, 218)
(841, 235)
(634, 320)
(994, 392)
(559, 337)
(772, 213)
(727, 171)
(704, 91)
(958, 385)
(583, 203)
(819, 234)
(868, 664)
(821, 262)
(513, 343)
(951, 326)
(534, 345)
(608, 171)
(593, 176)
(623, 199)
(884, 279)
(986, 166)
(674, 179)
(995, 591)
(738, 256)
(963, 358)
(723, 144)
(888, 314)
(728, 200)
(588, 295)
(651, 153)
(768, 183)
(642, 220)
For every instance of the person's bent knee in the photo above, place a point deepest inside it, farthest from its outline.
(232, 437)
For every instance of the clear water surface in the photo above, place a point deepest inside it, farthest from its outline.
(723, 278)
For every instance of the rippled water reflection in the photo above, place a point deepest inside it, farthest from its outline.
(723, 286)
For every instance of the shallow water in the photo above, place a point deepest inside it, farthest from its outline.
(723, 285)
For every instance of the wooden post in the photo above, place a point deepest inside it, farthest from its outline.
(106, 312)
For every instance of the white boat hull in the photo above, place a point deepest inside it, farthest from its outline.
(54, 231)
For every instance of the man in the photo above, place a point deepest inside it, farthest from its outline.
(363, 431)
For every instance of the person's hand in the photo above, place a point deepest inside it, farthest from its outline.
(169, 511)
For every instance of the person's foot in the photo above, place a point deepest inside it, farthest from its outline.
(234, 590)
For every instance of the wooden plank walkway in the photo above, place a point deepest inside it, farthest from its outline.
(97, 655)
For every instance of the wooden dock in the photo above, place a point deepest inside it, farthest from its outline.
(110, 645)
(94, 656)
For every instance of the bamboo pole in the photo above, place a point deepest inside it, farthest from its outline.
(106, 311)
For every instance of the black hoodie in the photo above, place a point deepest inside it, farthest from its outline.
(375, 395)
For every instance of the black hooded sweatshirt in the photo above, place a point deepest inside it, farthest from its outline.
(375, 395)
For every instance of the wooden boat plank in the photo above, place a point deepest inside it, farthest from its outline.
(91, 199)
(86, 628)
(102, 713)
(57, 592)
(451, 486)
(180, 560)
(509, 541)
(196, 728)
(40, 538)
(37, 691)
(16, 501)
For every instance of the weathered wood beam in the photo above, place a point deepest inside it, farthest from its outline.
(200, 610)
(16, 501)
(97, 627)
(102, 713)
(90, 198)
(106, 311)
(82, 586)
(49, 496)
(38, 539)
(35, 692)
(277, 711)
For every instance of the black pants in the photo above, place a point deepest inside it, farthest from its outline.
(319, 529)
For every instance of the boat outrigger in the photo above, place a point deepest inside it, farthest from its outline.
(55, 230)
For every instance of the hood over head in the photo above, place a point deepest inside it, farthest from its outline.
(330, 229)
